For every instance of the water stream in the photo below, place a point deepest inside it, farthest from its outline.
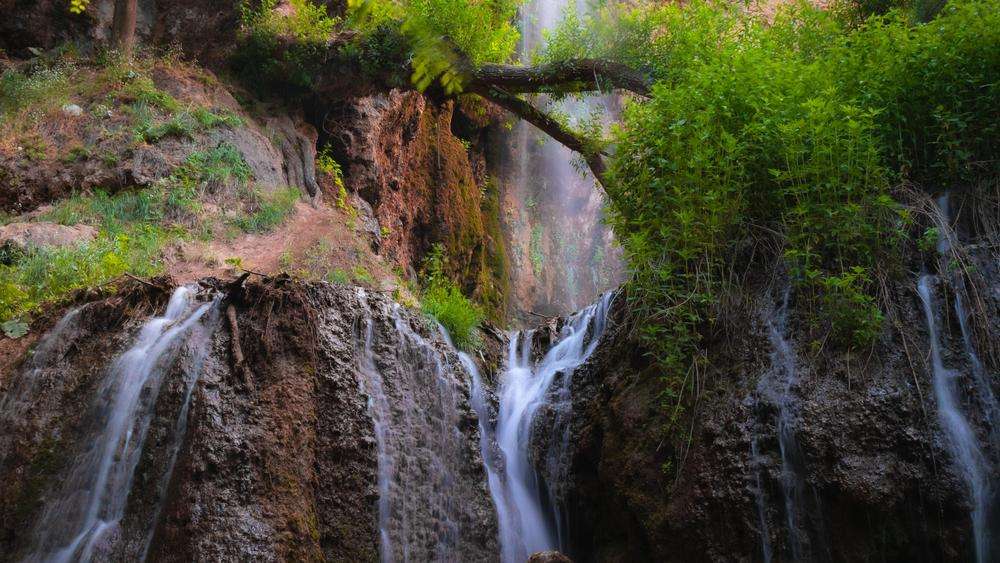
(961, 439)
(563, 254)
(804, 524)
(91, 499)
(418, 439)
(535, 519)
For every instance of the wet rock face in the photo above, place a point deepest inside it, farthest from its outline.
(424, 186)
(277, 462)
(876, 475)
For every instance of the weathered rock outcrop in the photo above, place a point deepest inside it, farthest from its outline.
(97, 149)
(424, 185)
(877, 479)
(280, 460)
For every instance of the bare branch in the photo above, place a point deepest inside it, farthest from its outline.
(547, 124)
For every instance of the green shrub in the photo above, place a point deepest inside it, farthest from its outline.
(141, 89)
(39, 88)
(443, 301)
(280, 51)
(48, 274)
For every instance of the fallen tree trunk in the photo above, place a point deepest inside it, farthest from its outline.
(574, 75)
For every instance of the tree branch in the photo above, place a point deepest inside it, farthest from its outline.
(574, 75)
(546, 123)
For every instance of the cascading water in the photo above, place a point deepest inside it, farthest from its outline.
(534, 520)
(487, 436)
(563, 255)
(801, 515)
(962, 442)
(984, 387)
(761, 501)
(92, 497)
(418, 440)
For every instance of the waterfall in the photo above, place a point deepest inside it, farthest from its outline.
(961, 438)
(802, 513)
(91, 499)
(418, 440)
(487, 436)
(761, 501)
(535, 521)
(982, 379)
(563, 254)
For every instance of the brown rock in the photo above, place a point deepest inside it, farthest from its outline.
(549, 557)
(36, 235)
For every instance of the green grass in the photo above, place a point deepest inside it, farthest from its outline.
(268, 210)
(443, 301)
(456, 313)
(134, 227)
(44, 275)
(38, 88)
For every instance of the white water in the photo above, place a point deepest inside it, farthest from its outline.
(981, 378)
(761, 501)
(564, 253)
(533, 522)
(961, 441)
(807, 538)
(487, 436)
(779, 388)
(418, 441)
(92, 498)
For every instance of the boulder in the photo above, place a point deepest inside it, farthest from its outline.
(549, 557)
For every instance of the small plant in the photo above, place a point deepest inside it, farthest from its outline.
(14, 328)
(338, 276)
(929, 240)
(283, 48)
(268, 211)
(362, 275)
(328, 165)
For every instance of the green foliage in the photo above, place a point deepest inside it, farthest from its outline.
(537, 252)
(769, 131)
(440, 32)
(142, 89)
(47, 274)
(134, 227)
(929, 240)
(283, 49)
(38, 88)
(267, 211)
(444, 301)
(14, 328)
(328, 165)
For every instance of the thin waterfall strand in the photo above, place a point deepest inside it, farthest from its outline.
(961, 440)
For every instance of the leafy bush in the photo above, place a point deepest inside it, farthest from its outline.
(793, 132)
(438, 32)
(285, 49)
(47, 274)
(444, 301)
